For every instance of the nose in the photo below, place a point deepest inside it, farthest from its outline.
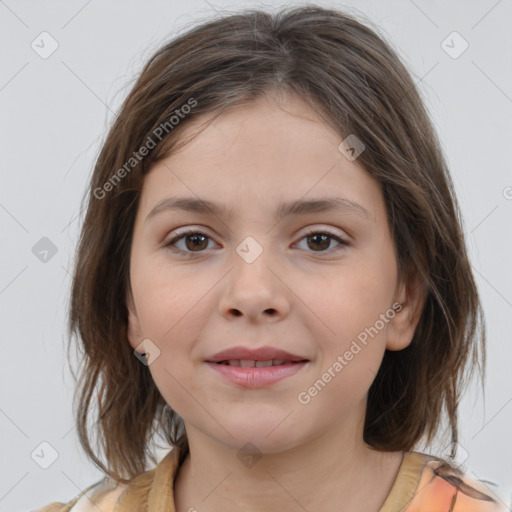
(253, 289)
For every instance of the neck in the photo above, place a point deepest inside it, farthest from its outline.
(332, 469)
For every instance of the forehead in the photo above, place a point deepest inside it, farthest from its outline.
(267, 151)
(280, 125)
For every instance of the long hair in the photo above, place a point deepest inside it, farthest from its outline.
(357, 83)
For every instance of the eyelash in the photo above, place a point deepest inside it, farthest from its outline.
(196, 232)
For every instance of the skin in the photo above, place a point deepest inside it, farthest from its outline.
(298, 295)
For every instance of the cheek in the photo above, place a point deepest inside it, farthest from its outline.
(346, 308)
(173, 315)
(352, 297)
(168, 297)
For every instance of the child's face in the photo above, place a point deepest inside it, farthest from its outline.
(306, 295)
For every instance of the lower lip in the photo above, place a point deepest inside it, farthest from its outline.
(257, 377)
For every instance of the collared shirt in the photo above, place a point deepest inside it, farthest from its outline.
(420, 486)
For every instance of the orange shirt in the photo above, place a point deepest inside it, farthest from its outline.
(419, 487)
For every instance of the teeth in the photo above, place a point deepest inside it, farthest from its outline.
(247, 363)
(263, 364)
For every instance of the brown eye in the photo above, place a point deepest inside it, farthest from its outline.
(193, 242)
(320, 241)
(196, 241)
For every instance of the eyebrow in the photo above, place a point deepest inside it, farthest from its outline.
(298, 207)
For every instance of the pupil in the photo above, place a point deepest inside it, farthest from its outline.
(195, 238)
(325, 241)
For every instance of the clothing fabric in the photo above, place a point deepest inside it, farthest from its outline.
(422, 485)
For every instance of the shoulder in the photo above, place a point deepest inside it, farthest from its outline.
(145, 490)
(102, 495)
(443, 487)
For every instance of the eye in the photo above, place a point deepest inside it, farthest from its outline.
(192, 239)
(196, 241)
(322, 239)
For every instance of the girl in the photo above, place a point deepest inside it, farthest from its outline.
(273, 277)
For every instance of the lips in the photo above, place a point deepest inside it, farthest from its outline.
(257, 377)
(246, 356)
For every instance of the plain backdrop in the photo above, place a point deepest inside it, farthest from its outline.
(55, 112)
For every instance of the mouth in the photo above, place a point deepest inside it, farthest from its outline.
(246, 356)
(252, 363)
(251, 373)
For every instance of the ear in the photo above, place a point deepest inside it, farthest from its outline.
(134, 330)
(411, 296)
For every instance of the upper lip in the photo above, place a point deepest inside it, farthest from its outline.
(254, 354)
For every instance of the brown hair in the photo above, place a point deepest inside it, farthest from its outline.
(358, 84)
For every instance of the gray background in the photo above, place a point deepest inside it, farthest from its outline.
(54, 114)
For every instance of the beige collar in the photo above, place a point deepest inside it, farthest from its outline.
(407, 482)
(154, 490)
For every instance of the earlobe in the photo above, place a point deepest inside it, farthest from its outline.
(134, 332)
(401, 328)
